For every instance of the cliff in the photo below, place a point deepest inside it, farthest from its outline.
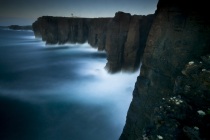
(60, 30)
(165, 106)
(98, 32)
(122, 37)
(126, 40)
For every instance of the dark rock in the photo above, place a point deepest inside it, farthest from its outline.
(169, 102)
(191, 133)
(126, 40)
(185, 114)
(132, 43)
(46, 28)
(179, 34)
(123, 37)
(115, 40)
(60, 30)
(97, 32)
(78, 30)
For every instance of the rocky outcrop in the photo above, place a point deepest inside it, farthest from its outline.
(123, 37)
(17, 27)
(179, 33)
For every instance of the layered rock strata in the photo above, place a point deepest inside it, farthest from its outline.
(179, 33)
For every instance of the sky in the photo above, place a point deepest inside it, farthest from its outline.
(25, 12)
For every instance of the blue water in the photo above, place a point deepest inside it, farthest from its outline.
(59, 92)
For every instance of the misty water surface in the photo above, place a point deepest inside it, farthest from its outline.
(59, 93)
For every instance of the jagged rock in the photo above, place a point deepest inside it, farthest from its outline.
(179, 34)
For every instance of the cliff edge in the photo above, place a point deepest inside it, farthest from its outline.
(122, 37)
(179, 34)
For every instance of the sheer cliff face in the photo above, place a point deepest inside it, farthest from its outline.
(126, 40)
(122, 37)
(60, 30)
(179, 34)
(97, 32)
(115, 42)
(139, 28)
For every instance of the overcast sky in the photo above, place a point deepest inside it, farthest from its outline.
(25, 12)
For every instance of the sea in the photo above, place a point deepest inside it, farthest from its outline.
(59, 92)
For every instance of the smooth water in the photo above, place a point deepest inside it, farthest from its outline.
(59, 92)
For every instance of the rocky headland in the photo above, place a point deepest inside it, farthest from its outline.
(122, 37)
(171, 98)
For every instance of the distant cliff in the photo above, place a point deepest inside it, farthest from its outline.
(171, 101)
(60, 30)
(122, 37)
